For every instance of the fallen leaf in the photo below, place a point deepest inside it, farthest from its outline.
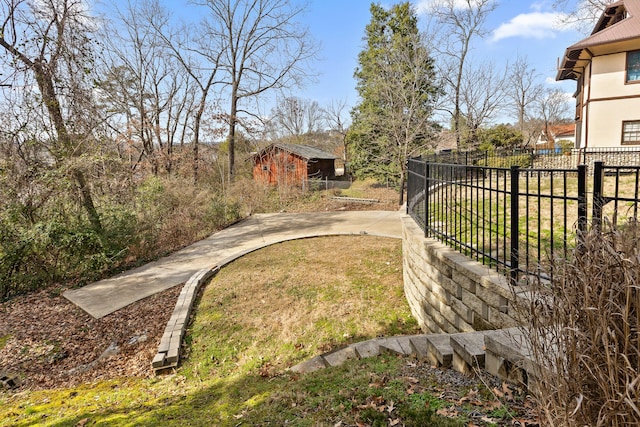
(498, 393)
(507, 391)
(521, 422)
(390, 407)
(492, 404)
(448, 412)
(394, 422)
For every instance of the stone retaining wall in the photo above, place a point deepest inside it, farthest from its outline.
(450, 293)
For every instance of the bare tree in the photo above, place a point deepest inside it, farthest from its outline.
(483, 91)
(462, 20)
(294, 117)
(199, 55)
(264, 48)
(144, 83)
(523, 90)
(582, 11)
(337, 118)
(51, 41)
(552, 107)
(406, 88)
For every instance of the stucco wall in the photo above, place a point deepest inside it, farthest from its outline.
(608, 101)
(450, 293)
(608, 74)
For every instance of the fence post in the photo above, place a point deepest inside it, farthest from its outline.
(582, 200)
(409, 186)
(598, 199)
(427, 195)
(515, 224)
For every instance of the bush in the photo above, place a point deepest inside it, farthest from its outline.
(48, 252)
(58, 245)
(221, 212)
(584, 332)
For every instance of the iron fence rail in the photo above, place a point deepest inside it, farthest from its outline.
(516, 219)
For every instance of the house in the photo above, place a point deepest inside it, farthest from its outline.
(292, 164)
(446, 141)
(557, 134)
(606, 66)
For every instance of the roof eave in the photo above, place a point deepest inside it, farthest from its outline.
(572, 64)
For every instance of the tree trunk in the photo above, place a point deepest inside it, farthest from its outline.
(196, 134)
(402, 184)
(87, 201)
(232, 134)
(65, 142)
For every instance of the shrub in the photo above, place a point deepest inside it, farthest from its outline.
(48, 252)
(584, 332)
(58, 245)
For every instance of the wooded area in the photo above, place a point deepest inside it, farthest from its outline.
(125, 133)
(116, 143)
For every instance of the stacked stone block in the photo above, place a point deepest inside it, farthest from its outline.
(450, 293)
(168, 354)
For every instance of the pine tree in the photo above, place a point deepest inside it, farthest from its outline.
(395, 82)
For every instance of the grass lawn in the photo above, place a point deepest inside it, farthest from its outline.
(262, 314)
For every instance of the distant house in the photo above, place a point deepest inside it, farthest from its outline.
(606, 66)
(292, 164)
(446, 141)
(549, 141)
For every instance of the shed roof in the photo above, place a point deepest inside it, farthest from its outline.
(305, 151)
(617, 30)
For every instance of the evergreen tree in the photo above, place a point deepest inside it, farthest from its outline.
(395, 82)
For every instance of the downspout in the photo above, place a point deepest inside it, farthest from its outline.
(587, 108)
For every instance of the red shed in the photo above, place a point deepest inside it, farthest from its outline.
(292, 164)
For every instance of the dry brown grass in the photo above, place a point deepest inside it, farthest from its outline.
(301, 298)
(584, 331)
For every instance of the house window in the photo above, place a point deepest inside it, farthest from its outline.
(291, 168)
(633, 66)
(265, 168)
(631, 133)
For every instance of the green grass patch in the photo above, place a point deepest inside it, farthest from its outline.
(257, 317)
(4, 340)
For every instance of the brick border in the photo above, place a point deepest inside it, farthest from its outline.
(168, 354)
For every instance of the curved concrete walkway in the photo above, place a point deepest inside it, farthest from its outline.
(109, 295)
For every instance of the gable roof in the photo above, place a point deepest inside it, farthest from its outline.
(305, 151)
(617, 30)
(558, 131)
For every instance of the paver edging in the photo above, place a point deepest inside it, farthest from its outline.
(168, 354)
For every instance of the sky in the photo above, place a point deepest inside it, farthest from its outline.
(517, 27)
(528, 28)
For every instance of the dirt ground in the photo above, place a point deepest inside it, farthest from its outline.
(50, 343)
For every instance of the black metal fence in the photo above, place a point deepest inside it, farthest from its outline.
(541, 159)
(516, 219)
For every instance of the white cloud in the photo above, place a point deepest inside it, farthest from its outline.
(423, 7)
(538, 25)
(427, 6)
(539, 6)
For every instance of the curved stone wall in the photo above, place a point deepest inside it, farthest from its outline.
(450, 293)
